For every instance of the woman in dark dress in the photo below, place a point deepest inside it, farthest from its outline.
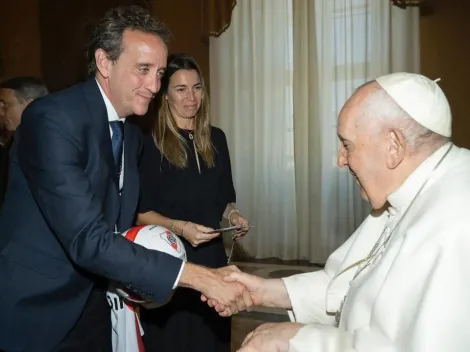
(187, 187)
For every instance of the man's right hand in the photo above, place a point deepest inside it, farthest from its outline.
(255, 285)
(232, 297)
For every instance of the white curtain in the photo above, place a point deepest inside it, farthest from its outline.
(279, 76)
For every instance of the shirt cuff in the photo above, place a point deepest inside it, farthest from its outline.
(179, 275)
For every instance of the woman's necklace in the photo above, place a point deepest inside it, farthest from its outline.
(191, 137)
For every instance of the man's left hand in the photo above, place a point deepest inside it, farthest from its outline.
(270, 337)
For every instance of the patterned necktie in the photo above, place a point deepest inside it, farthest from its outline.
(117, 141)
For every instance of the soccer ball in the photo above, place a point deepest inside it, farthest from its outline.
(156, 238)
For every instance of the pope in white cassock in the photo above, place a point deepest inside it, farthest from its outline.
(401, 282)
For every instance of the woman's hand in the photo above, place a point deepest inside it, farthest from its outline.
(238, 220)
(197, 234)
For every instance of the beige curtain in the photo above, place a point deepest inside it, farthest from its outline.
(338, 45)
(251, 98)
(279, 76)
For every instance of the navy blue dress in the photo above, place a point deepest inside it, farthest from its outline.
(186, 323)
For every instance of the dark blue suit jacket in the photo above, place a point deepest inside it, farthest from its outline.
(56, 225)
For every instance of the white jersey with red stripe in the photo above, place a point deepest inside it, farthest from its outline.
(126, 329)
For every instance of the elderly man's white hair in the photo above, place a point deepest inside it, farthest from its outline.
(384, 113)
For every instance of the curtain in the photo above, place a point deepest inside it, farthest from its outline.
(279, 76)
(251, 69)
(339, 45)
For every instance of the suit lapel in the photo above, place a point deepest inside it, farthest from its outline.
(97, 110)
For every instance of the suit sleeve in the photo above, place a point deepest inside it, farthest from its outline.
(53, 163)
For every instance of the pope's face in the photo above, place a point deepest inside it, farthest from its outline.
(363, 152)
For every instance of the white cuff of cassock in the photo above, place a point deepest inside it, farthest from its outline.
(179, 276)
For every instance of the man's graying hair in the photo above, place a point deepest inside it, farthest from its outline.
(379, 107)
(25, 87)
(108, 33)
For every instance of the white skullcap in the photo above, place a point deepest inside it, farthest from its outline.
(421, 98)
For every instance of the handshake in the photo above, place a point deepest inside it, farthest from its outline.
(235, 291)
(226, 289)
(230, 291)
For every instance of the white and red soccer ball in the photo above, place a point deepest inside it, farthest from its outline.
(156, 238)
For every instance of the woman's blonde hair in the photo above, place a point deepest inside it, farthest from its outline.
(165, 133)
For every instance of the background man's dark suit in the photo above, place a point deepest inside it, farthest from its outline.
(4, 151)
(56, 240)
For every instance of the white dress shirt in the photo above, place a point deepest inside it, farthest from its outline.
(113, 116)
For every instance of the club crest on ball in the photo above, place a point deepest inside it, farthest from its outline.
(169, 237)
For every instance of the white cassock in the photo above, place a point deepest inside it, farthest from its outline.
(415, 297)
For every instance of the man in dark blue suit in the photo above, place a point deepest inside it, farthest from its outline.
(74, 184)
(16, 94)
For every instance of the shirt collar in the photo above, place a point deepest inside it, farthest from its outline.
(112, 114)
(403, 196)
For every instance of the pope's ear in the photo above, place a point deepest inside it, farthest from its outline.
(396, 149)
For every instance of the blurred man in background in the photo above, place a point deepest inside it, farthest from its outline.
(15, 95)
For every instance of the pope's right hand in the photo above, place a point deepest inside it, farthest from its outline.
(253, 285)
(231, 296)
